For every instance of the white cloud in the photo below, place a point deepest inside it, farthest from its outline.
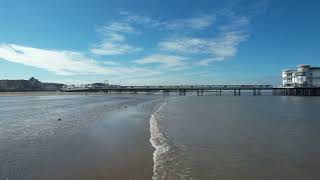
(113, 48)
(110, 63)
(139, 19)
(193, 23)
(196, 23)
(226, 46)
(205, 62)
(114, 37)
(118, 27)
(166, 61)
(184, 45)
(67, 62)
(59, 62)
(235, 24)
(223, 46)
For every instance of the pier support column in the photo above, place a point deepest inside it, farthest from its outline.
(199, 92)
(236, 92)
(296, 91)
(259, 92)
(166, 92)
(218, 92)
(134, 91)
(182, 92)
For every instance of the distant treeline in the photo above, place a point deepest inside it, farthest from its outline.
(32, 84)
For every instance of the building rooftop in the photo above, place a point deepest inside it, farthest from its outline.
(288, 70)
(304, 65)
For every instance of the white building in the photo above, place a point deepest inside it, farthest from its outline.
(303, 76)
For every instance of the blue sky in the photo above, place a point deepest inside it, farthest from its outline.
(157, 42)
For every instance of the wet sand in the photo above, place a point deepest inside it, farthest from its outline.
(114, 146)
(112, 149)
(46, 93)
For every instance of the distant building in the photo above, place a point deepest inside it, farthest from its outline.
(89, 86)
(303, 76)
(32, 84)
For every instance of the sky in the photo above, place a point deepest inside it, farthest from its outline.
(153, 42)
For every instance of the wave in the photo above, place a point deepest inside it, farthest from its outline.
(158, 141)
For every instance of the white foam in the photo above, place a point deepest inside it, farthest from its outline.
(158, 141)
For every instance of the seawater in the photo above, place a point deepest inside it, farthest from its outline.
(236, 138)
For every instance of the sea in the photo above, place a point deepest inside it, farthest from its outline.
(160, 137)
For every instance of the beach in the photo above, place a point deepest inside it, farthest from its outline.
(47, 93)
(148, 137)
(97, 137)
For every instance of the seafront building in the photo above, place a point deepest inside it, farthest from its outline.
(32, 84)
(88, 86)
(303, 76)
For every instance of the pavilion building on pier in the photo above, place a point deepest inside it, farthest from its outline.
(303, 76)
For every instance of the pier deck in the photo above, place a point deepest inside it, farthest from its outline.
(201, 89)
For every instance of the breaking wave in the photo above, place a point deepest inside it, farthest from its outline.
(158, 141)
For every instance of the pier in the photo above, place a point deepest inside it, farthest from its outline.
(200, 90)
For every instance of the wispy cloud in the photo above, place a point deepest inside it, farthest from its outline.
(205, 62)
(119, 27)
(113, 48)
(184, 45)
(166, 61)
(189, 23)
(219, 46)
(114, 40)
(196, 23)
(223, 46)
(111, 63)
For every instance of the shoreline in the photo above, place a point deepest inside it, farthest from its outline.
(61, 93)
(110, 146)
(38, 93)
(156, 139)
